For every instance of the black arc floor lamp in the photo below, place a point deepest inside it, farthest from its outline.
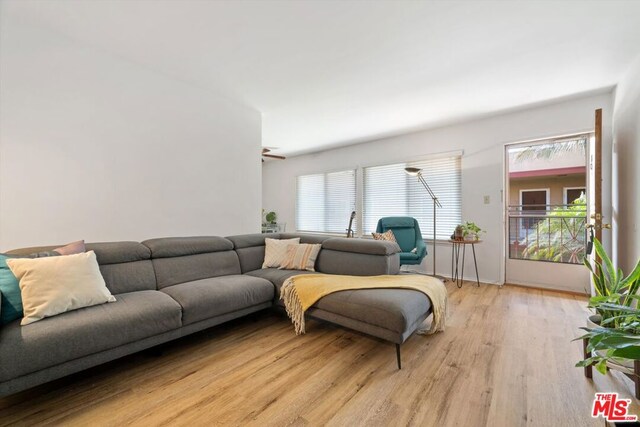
(436, 203)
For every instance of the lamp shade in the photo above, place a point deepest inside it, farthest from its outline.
(412, 171)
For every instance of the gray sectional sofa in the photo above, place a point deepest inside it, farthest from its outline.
(171, 287)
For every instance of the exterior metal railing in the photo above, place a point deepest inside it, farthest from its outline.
(553, 233)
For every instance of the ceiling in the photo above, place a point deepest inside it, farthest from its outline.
(329, 73)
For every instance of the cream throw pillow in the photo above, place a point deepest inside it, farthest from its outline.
(275, 250)
(301, 257)
(387, 235)
(55, 285)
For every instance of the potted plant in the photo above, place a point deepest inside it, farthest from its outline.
(271, 217)
(471, 231)
(613, 347)
(613, 333)
(610, 286)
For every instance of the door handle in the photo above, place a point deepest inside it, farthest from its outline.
(598, 226)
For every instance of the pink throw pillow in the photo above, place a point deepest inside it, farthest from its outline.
(72, 248)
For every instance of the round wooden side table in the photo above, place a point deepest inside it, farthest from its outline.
(455, 258)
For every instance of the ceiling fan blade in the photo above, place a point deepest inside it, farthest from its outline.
(273, 156)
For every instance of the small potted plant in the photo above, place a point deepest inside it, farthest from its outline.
(271, 217)
(471, 231)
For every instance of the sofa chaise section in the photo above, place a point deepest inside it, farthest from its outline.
(390, 314)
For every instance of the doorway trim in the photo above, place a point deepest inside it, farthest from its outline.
(505, 185)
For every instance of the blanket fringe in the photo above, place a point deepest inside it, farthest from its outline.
(438, 320)
(293, 306)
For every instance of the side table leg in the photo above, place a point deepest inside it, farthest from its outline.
(473, 246)
(464, 250)
(453, 251)
(456, 250)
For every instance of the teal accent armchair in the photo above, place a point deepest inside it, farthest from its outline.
(407, 233)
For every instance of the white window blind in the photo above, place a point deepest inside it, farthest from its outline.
(389, 191)
(324, 202)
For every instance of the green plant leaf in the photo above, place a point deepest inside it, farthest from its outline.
(601, 366)
(609, 269)
(632, 352)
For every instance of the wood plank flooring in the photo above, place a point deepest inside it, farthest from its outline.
(506, 359)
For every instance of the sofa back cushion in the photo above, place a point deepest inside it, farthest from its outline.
(251, 249)
(358, 257)
(185, 259)
(125, 266)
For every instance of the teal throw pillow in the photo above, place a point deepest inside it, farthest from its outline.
(10, 302)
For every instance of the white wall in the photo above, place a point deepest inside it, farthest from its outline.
(94, 147)
(626, 161)
(482, 142)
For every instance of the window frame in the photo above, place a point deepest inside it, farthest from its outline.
(564, 192)
(546, 190)
(356, 172)
(403, 159)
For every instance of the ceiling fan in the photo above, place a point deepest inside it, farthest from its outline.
(266, 151)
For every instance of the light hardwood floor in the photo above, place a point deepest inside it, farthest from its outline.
(506, 359)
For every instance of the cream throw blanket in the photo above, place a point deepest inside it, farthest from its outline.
(301, 292)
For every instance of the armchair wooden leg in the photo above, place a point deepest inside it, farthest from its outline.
(398, 356)
(588, 370)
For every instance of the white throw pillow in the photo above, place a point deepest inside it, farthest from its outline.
(275, 251)
(55, 285)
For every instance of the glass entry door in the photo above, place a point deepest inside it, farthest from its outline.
(546, 213)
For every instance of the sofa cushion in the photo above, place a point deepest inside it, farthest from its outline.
(306, 238)
(361, 246)
(119, 252)
(125, 266)
(185, 259)
(277, 277)
(252, 240)
(392, 309)
(168, 247)
(251, 249)
(207, 298)
(357, 264)
(51, 341)
(183, 269)
(251, 258)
